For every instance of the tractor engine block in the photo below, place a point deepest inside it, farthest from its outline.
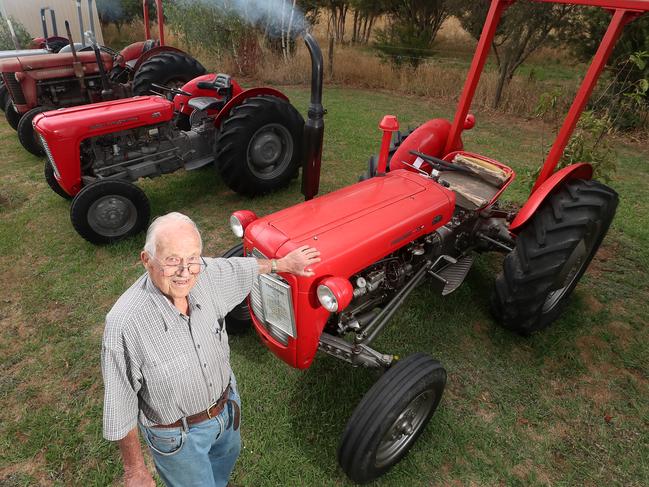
(144, 152)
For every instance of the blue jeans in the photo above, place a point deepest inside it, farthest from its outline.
(203, 456)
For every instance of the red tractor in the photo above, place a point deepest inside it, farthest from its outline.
(423, 214)
(40, 83)
(96, 152)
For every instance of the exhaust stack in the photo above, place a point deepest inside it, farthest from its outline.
(314, 125)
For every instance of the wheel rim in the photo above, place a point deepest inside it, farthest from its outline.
(405, 428)
(572, 270)
(270, 151)
(112, 215)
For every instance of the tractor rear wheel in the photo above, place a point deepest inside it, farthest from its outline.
(27, 135)
(12, 116)
(390, 417)
(552, 253)
(4, 96)
(238, 320)
(109, 210)
(53, 183)
(259, 148)
(167, 69)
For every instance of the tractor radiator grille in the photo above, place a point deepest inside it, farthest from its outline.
(13, 86)
(48, 153)
(280, 333)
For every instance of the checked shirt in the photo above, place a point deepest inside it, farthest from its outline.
(160, 365)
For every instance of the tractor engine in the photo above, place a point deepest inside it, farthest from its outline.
(146, 151)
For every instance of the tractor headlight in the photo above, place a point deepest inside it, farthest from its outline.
(327, 298)
(335, 293)
(239, 220)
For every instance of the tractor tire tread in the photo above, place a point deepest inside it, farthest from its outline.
(164, 67)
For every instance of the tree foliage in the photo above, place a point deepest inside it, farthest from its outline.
(411, 30)
(6, 42)
(119, 12)
(524, 28)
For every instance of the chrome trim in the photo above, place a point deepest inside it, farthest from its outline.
(48, 153)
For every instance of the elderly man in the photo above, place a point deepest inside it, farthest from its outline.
(165, 357)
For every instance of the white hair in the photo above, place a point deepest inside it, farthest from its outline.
(151, 241)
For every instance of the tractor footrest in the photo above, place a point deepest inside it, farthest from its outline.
(455, 274)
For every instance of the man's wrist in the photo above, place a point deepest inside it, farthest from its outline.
(273, 265)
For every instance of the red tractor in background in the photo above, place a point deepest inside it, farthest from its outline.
(40, 83)
(96, 152)
(423, 214)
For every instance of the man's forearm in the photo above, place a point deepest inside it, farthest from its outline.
(132, 457)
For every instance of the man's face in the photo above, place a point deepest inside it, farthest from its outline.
(175, 240)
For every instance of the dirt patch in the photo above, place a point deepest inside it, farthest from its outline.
(623, 332)
(486, 409)
(34, 467)
(524, 470)
(592, 303)
(589, 346)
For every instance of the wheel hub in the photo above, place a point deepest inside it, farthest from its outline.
(402, 432)
(112, 215)
(270, 151)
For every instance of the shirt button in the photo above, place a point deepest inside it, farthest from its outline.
(210, 384)
(198, 345)
(204, 365)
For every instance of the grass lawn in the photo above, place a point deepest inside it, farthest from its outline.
(567, 406)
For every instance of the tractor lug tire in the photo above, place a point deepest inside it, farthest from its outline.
(53, 183)
(259, 147)
(26, 133)
(167, 68)
(390, 417)
(109, 210)
(12, 116)
(552, 252)
(4, 96)
(238, 320)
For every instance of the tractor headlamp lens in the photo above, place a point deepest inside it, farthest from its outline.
(327, 298)
(236, 226)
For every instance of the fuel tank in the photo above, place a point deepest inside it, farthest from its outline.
(63, 130)
(57, 65)
(352, 228)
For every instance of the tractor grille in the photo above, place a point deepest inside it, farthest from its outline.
(13, 86)
(280, 330)
(48, 153)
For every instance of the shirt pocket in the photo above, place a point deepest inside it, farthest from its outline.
(164, 379)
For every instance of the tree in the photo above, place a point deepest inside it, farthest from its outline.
(626, 95)
(411, 30)
(119, 12)
(365, 14)
(6, 41)
(525, 27)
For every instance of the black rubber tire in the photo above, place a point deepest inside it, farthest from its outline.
(373, 162)
(4, 96)
(115, 196)
(258, 117)
(12, 116)
(26, 134)
(167, 68)
(53, 183)
(552, 252)
(362, 453)
(238, 321)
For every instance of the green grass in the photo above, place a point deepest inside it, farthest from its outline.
(567, 406)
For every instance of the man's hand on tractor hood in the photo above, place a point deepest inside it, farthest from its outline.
(298, 261)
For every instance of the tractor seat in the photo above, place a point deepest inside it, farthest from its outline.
(149, 44)
(206, 103)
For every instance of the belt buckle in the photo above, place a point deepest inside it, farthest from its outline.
(207, 411)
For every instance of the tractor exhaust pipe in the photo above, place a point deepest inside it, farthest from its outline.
(314, 125)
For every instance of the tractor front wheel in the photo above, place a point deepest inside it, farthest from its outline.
(4, 96)
(53, 183)
(238, 320)
(390, 417)
(552, 253)
(27, 135)
(109, 210)
(259, 148)
(12, 115)
(170, 69)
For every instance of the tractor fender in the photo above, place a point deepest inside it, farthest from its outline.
(131, 52)
(154, 52)
(580, 170)
(241, 97)
(181, 101)
(429, 138)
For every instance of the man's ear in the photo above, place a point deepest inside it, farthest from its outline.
(145, 258)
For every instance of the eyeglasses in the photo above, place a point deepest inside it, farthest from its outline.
(174, 265)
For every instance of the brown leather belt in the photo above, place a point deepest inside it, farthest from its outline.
(211, 412)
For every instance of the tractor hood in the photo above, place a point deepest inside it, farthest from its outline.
(55, 62)
(357, 225)
(85, 121)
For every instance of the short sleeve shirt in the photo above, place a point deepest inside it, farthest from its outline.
(159, 365)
